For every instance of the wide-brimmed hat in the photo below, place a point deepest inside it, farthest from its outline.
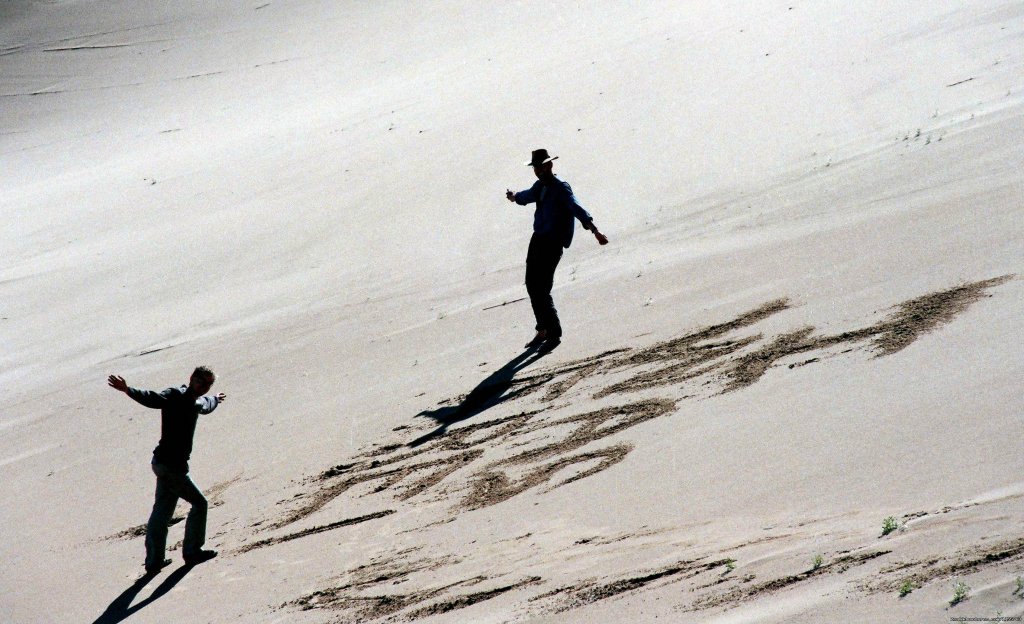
(540, 157)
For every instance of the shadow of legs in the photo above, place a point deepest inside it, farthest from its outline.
(121, 608)
(485, 395)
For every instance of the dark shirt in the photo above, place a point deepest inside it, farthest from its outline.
(178, 416)
(556, 207)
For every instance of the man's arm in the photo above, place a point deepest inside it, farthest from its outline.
(523, 197)
(601, 238)
(581, 213)
(155, 400)
(209, 403)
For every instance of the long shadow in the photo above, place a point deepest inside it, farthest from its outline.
(488, 393)
(121, 608)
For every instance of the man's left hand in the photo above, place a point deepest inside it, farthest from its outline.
(601, 238)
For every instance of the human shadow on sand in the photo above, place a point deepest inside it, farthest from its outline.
(490, 392)
(121, 608)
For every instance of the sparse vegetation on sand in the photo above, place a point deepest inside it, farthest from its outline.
(889, 525)
(960, 593)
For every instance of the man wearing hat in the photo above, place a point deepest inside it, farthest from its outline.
(553, 226)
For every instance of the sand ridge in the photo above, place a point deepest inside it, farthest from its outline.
(709, 579)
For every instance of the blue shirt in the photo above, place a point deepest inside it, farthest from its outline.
(556, 207)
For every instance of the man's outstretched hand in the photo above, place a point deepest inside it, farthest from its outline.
(220, 397)
(509, 195)
(601, 238)
(117, 383)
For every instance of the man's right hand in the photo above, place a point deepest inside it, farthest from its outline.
(117, 383)
(509, 195)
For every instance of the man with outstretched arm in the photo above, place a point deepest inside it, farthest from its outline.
(553, 226)
(180, 408)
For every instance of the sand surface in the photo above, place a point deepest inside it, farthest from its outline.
(808, 320)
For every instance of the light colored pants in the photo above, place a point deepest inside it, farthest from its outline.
(170, 486)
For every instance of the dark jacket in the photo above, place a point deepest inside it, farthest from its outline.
(556, 208)
(178, 416)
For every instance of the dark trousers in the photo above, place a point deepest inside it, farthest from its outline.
(170, 486)
(541, 262)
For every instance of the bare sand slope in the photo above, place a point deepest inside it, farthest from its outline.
(808, 321)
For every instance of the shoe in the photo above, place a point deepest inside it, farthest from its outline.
(155, 569)
(538, 340)
(550, 344)
(199, 557)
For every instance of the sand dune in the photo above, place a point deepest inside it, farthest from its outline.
(788, 390)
